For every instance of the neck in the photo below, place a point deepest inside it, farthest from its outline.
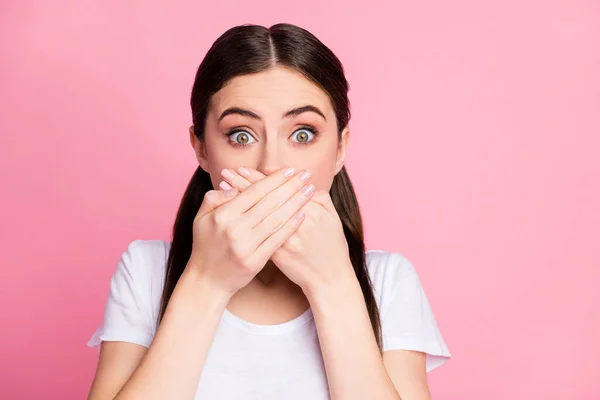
(270, 275)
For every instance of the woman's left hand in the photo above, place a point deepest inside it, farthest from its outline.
(316, 255)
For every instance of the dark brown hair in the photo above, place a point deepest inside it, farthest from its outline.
(248, 49)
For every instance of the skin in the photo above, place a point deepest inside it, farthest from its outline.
(310, 269)
(273, 146)
(271, 143)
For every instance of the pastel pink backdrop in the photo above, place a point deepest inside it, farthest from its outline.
(474, 153)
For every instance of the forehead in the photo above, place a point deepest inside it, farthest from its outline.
(277, 89)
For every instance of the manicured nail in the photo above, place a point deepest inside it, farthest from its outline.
(299, 215)
(244, 172)
(225, 186)
(289, 172)
(227, 174)
(305, 175)
(308, 189)
(230, 192)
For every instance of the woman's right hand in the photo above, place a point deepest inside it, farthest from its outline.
(235, 235)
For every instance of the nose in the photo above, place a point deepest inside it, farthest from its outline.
(270, 160)
(267, 168)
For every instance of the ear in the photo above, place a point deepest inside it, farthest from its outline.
(341, 152)
(199, 148)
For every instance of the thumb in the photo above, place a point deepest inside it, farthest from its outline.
(215, 198)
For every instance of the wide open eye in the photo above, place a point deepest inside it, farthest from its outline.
(305, 135)
(241, 138)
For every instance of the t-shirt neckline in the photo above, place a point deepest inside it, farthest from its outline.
(284, 327)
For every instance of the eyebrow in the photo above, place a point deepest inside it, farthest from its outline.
(289, 114)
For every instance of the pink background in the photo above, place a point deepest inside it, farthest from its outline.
(476, 134)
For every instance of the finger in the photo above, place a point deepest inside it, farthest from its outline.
(275, 221)
(273, 200)
(214, 199)
(232, 178)
(324, 199)
(273, 242)
(257, 191)
(250, 174)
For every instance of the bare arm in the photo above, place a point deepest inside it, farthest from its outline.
(116, 364)
(407, 369)
(171, 366)
(355, 368)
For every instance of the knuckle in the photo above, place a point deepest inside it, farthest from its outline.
(210, 197)
(272, 206)
(220, 218)
(238, 253)
(248, 265)
(292, 244)
(231, 232)
(275, 223)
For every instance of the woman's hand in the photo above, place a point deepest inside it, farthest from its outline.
(235, 233)
(316, 254)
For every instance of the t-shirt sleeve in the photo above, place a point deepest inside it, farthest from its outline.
(126, 316)
(407, 320)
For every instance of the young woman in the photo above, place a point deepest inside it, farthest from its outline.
(266, 290)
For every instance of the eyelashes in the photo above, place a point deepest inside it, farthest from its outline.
(235, 133)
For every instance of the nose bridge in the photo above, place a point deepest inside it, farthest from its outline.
(271, 158)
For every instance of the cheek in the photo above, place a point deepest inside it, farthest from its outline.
(216, 165)
(323, 170)
(220, 156)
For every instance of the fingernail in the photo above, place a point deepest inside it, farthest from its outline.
(289, 172)
(305, 175)
(229, 193)
(299, 215)
(227, 174)
(244, 172)
(308, 189)
(225, 186)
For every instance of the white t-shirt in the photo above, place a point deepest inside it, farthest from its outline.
(284, 361)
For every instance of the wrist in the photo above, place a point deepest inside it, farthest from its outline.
(334, 291)
(201, 283)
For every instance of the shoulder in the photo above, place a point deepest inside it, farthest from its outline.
(387, 264)
(147, 255)
(134, 294)
(388, 270)
(143, 265)
(407, 320)
(145, 259)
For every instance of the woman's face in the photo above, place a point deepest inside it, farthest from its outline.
(249, 124)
